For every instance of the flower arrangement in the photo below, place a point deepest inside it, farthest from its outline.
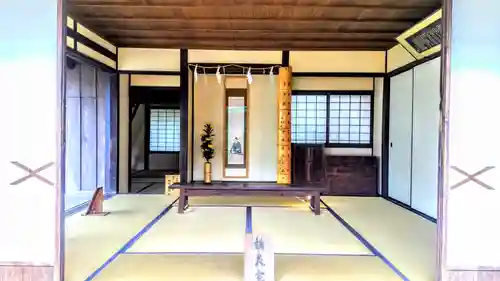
(207, 147)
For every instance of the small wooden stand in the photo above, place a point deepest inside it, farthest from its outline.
(96, 204)
(169, 180)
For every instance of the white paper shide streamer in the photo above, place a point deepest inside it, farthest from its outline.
(249, 75)
(219, 77)
(221, 71)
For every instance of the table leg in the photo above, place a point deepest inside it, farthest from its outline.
(316, 204)
(311, 204)
(182, 202)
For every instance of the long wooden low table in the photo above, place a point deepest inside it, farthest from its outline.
(248, 189)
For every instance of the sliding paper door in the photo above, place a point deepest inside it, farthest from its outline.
(414, 137)
(400, 130)
(426, 100)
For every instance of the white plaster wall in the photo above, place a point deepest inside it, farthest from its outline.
(398, 57)
(337, 61)
(234, 56)
(332, 83)
(94, 37)
(208, 108)
(262, 126)
(155, 80)
(148, 59)
(348, 151)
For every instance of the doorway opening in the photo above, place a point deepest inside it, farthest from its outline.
(154, 137)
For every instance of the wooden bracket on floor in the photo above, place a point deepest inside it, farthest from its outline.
(96, 204)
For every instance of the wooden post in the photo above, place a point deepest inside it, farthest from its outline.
(469, 244)
(32, 73)
(96, 204)
(284, 126)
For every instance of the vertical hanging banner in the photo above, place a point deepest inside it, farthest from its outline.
(284, 126)
(259, 259)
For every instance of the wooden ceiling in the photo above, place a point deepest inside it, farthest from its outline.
(252, 24)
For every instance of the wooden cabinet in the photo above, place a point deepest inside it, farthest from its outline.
(341, 175)
(308, 165)
(351, 175)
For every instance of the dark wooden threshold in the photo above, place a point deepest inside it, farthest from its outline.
(409, 208)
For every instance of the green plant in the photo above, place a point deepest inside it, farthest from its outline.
(207, 137)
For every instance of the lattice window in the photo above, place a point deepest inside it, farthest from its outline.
(165, 130)
(350, 119)
(309, 116)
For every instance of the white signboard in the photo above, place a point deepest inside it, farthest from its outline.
(259, 259)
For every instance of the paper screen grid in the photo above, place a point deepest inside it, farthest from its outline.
(165, 130)
(309, 119)
(349, 119)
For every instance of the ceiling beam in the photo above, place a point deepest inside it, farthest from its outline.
(256, 38)
(278, 25)
(251, 12)
(242, 44)
(312, 32)
(208, 34)
(385, 4)
(79, 4)
(251, 21)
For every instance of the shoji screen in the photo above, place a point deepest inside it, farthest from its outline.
(400, 129)
(413, 137)
(426, 99)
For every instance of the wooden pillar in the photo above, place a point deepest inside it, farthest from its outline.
(31, 71)
(184, 105)
(470, 135)
(285, 126)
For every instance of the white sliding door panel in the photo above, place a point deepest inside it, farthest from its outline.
(400, 128)
(426, 98)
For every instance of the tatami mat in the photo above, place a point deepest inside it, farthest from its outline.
(407, 240)
(230, 268)
(200, 229)
(262, 201)
(333, 268)
(92, 240)
(299, 231)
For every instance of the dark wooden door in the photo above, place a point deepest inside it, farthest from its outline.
(308, 164)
